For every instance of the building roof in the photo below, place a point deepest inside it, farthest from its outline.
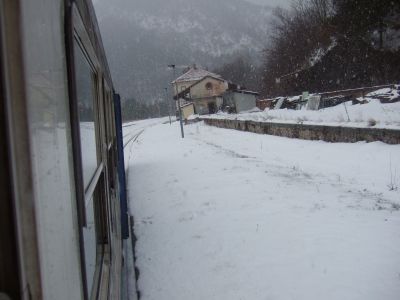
(195, 74)
(247, 92)
(242, 92)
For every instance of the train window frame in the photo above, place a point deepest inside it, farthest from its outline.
(76, 35)
(109, 112)
(94, 80)
(10, 286)
(26, 263)
(104, 133)
(108, 118)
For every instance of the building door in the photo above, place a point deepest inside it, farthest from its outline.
(212, 108)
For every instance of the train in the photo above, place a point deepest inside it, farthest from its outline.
(65, 229)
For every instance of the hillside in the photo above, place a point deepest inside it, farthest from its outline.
(142, 37)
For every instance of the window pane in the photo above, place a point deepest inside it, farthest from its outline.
(85, 95)
(89, 237)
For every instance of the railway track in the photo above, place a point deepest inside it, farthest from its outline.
(132, 137)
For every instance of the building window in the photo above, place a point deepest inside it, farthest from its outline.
(209, 86)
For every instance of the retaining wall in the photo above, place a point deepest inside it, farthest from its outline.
(311, 132)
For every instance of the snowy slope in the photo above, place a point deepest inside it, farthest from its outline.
(224, 214)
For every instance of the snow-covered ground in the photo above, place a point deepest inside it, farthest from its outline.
(225, 214)
(372, 114)
(132, 130)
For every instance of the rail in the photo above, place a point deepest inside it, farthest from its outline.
(132, 137)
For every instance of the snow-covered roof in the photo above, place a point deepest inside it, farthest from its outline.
(195, 74)
(247, 92)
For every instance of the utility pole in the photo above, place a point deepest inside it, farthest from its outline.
(169, 105)
(179, 105)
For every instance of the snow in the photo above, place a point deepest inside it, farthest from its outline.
(319, 53)
(224, 214)
(388, 93)
(149, 22)
(385, 115)
(133, 129)
(195, 74)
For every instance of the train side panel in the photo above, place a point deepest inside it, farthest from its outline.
(52, 163)
(60, 133)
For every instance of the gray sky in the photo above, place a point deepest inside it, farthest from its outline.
(282, 3)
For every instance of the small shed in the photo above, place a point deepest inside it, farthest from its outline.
(239, 100)
(187, 110)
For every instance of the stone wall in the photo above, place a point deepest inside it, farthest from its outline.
(311, 132)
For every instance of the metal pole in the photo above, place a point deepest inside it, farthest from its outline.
(169, 105)
(179, 105)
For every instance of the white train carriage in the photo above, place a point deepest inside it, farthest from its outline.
(63, 221)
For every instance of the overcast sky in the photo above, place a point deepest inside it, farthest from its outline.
(282, 3)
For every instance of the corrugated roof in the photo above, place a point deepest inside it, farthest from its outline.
(195, 74)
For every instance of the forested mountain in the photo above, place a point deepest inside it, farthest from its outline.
(315, 45)
(142, 37)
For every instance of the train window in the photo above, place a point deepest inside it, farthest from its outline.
(94, 135)
(109, 117)
(85, 97)
(111, 113)
(95, 231)
(95, 235)
(113, 129)
(89, 235)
